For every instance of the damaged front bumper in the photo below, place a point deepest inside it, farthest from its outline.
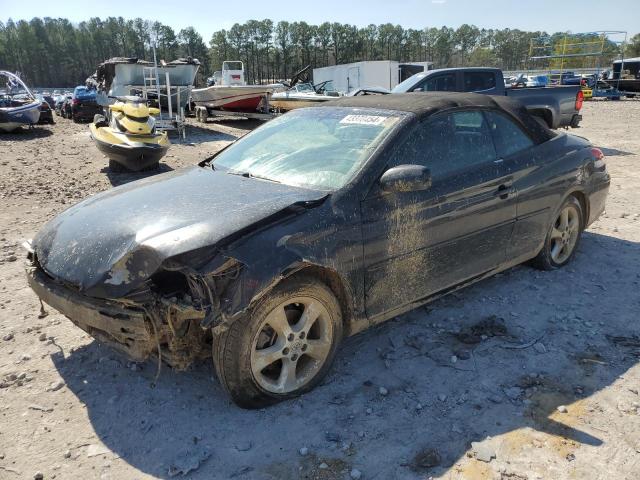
(124, 328)
(138, 331)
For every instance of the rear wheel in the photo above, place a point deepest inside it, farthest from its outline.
(283, 347)
(563, 237)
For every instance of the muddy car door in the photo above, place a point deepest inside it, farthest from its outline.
(421, 241)
(522, 158)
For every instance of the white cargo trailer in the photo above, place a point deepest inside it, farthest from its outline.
(378, 73)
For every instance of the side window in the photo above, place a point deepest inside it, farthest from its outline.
(508, 137)
(440, 83)
(448, 143)
(478, 81)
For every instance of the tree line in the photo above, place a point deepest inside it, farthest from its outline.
(56, 52)
(53, 52)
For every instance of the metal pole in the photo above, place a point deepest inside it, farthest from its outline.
(622, 47)
(155, 65)
(166, 77)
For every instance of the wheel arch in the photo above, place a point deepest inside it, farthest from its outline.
(544, 113)
(584, 203)
(328, 276)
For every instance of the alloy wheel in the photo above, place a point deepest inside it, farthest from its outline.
(292, 344)
(564, 234)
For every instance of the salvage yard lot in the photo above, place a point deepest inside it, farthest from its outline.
(528, 375)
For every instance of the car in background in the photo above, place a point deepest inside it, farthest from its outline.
(537, 81)
(344, 215)
(565, 78)
(46, 112)
(65, 109)
(58, 101)
(83, 105)
(556, 107)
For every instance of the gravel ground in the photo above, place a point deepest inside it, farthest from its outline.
(527, 375)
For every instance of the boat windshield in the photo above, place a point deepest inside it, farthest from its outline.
(304, 87)
(13, 92)
(316, 147)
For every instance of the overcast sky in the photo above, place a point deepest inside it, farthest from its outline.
(209, 16)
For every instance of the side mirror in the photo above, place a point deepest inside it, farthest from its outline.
(418, 89)
(406, 178)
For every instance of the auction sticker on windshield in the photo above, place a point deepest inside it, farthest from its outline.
(364, 119)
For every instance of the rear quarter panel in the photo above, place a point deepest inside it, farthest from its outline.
(549, 173)
(559, 101)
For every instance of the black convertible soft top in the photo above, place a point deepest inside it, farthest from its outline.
(426, 104)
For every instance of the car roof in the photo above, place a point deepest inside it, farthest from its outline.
(425, 104)
(422, 103)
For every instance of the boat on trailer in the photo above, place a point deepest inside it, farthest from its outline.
(18, 105)
(302, 92)
(302, 95)
(228, 91)
(120, 77)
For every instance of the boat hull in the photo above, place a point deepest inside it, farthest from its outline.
(12, 118)
(290, 103)
(128, 79)
(240, 98)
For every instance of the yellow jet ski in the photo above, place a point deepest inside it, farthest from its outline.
(129, 139)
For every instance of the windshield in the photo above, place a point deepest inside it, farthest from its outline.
(321, 147)
(408, 83)
(304, 87)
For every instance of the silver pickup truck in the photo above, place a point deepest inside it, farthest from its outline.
(556, 106)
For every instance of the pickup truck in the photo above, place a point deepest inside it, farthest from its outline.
(555, 106)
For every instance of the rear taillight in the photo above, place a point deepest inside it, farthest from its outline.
(75, 101)
(597, 153)
(579, 100)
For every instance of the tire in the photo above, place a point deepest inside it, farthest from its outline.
(553, 254)
(236, 351)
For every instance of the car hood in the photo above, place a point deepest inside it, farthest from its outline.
(110, 243)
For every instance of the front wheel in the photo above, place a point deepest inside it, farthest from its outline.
(283, 347)
(563, 237)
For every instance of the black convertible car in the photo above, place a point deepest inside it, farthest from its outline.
(314, 226)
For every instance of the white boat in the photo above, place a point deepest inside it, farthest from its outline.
(302, 95)
(229, 90)
(121, 77)
(18, 105)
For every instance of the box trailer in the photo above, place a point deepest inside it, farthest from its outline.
(378, 73)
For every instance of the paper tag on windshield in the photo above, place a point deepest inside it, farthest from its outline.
(364, 119)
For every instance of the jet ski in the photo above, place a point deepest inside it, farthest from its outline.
(129, 137)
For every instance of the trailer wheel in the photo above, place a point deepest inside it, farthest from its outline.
(203, 113)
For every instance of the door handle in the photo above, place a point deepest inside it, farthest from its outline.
(504, 191)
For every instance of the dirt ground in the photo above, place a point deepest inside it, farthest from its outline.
(544, 384)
